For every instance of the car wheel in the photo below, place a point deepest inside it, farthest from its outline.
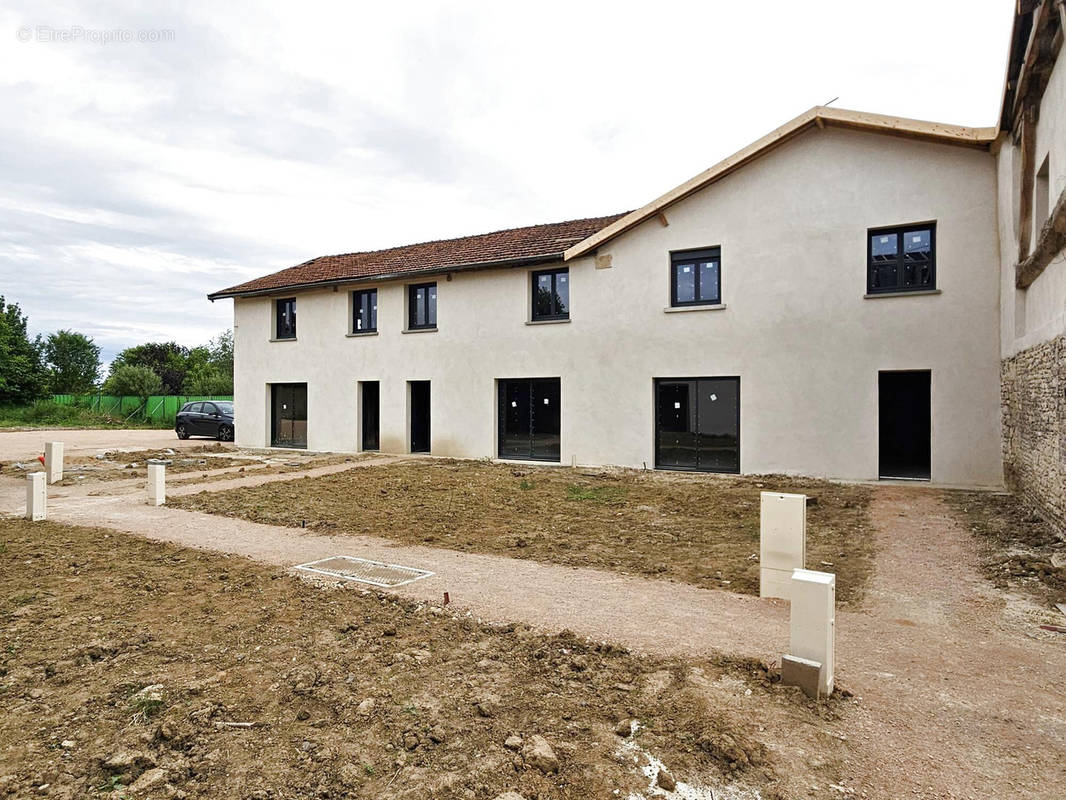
(182, 431)
(225, 433)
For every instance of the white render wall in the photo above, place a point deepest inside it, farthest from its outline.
(806, 344)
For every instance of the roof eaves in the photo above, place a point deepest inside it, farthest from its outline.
(436, 270)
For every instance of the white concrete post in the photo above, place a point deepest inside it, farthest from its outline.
(36, 496)
(53, 461)
(813, 622)
(157, 490)
(782, 541)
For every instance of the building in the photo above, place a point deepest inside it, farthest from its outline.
(1031, 178)
(838, 299)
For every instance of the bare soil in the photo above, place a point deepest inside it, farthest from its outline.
(220, 677)
(1018, 550)
(697, 529)
(275, 466)
(113, 465)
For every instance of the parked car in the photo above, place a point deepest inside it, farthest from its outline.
(205, 418)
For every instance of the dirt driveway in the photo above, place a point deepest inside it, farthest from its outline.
(27, 444)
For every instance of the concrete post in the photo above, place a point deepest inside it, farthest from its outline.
(36, 496)
(53, 461)
(813, 622)
(157, 491)
(782, 541)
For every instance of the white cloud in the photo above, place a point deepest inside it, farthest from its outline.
(136, 178)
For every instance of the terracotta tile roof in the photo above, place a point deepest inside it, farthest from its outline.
(513, 246)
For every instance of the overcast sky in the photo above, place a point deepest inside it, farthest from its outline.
(239, 139)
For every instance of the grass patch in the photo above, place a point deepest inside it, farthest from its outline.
(597, 494)
(698, 529)
(47, 414)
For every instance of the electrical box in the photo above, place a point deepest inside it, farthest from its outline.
(782, 541)
(53, 461)
(813, 621)
(36, 496)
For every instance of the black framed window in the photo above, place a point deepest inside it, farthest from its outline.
(365, 311)
(696, 277)
(422, 306)
(551, 294)
(901, 259)
(285, 315)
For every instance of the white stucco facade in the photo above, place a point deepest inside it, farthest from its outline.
(796, 326)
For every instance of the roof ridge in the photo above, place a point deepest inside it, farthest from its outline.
(506, 246)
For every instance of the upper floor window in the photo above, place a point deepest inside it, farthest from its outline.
(365, 311)
(422, 306)
(696, 277)
(551, 294)
(285, 318)
(902, 259)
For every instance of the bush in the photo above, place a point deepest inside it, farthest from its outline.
(134, 381)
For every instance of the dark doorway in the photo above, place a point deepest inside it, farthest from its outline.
(697, 424)
(420, 433)
(903, 400)
(369, 400)
(288, 417)
(529, 419)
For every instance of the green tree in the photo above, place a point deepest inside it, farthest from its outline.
(221, 348)
(207, 379)
(135, 381)
(168, 360)
(73, 362)
(22, 374)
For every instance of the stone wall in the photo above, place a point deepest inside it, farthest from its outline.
(1033, 385)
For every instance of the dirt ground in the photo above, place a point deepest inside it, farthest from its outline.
(225, 678)
(698, 529)
(1018, 550)
(111, 465)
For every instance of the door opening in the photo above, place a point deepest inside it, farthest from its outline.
(369, 399)
(529, 419)
(288, 418)
(419, 407)
(904, 429)
(697, 424)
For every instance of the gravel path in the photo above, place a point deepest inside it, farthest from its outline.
(958, 694)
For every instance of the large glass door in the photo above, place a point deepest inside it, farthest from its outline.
(529, 419)
(288, 415)
(697, 424)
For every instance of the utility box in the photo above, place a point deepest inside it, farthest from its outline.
(157, 487)
(782, 541)
(813, 622)
(53, 461)
(36, 496)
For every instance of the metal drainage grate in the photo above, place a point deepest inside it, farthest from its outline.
(375, 573)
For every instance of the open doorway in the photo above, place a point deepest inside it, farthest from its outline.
(369, 401)
(418, 393)
(904, 428)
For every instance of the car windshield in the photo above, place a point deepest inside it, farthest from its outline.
(225, 408)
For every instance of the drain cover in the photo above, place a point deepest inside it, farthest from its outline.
(375, 573)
